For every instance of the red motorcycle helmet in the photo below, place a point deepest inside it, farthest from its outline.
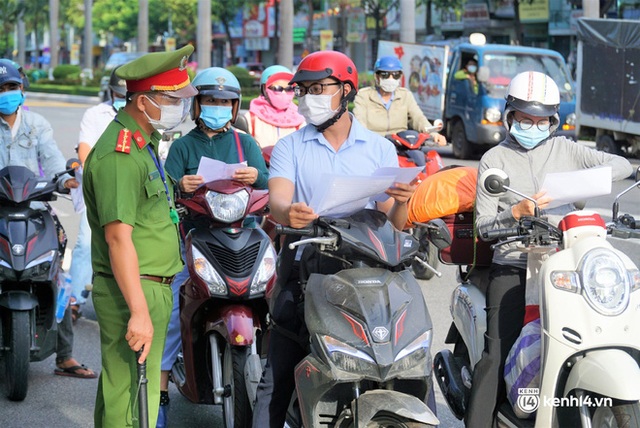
(322, 64)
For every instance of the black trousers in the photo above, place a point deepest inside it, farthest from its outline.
(505, 318)
(285, 351)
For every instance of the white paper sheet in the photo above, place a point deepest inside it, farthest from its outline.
(212, 169)
(568, 187)
(76, 194)
(344, 195)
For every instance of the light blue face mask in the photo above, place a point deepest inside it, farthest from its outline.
(118, 103)
(472, 68)
(215, 117)
(10, 101)
(529, 138)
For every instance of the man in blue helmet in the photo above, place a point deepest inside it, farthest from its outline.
(391, 101)
(214, 108)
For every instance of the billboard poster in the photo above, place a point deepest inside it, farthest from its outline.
(424, 68)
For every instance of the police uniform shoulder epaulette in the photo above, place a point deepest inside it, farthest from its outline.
(123, 144)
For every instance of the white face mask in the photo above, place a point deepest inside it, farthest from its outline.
(171, 115)
(389, 85)
(316, 109)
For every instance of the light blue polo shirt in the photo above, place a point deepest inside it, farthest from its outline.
(303, 156)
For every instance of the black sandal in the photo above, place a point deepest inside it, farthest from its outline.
(75, 309)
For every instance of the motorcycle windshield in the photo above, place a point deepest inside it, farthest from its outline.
(19, 184)
(369, 233)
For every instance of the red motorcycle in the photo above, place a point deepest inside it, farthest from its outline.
(411, 147)
(231, 264)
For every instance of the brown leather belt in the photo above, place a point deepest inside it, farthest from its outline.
(167, 280)
(161, 279)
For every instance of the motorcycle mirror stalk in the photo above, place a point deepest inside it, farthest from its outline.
(496, 182)
(616, 204)
(435, 127)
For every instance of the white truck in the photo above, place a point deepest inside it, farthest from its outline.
(608, 82)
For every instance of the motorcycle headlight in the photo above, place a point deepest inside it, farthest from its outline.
(207, 273)
(348, 358)
(605, 281)
(414, 360)
(39, 266)
(266, 270)
(570, 119)
(492, 115)
(227, 208)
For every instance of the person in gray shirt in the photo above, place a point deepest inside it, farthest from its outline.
(527, 154)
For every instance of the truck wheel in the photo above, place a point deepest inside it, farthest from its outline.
(607, 144)
(18, 337)
(461, 147)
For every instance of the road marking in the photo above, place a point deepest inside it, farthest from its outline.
(36, 103)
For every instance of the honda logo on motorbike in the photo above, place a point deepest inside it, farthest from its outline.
(380, 334)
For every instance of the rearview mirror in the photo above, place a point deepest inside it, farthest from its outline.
(494, 181)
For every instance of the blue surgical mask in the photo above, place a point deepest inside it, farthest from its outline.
(118, 103)
(529, 138)
(10, 101)
(215, 117)
(472, 69)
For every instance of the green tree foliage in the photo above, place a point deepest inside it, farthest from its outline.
(378, 9)
(9, 11)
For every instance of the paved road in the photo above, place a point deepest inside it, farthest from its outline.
(57, 402)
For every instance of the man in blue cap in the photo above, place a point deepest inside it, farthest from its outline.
(135, 249)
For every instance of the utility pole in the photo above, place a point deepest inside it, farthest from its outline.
(88, 34)
(54, 44)
(22, 43)
(407, 21)
(203, 35)
(285, 47)
(143, 26)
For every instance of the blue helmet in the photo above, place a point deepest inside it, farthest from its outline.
(219, 83)
(387, 63)
(273, 70)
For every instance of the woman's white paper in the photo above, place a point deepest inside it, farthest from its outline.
(568, 187)
(212, 169)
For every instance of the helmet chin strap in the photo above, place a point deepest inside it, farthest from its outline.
(343, 108)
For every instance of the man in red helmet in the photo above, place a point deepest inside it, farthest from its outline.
(333, 141)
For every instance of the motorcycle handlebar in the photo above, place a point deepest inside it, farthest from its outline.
(305, 231)
(501, 233)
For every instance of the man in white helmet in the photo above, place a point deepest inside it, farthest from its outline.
(528, 153)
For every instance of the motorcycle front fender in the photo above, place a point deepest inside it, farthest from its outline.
(17, 300)
(397, 403)
(237, 325)
(609, 372)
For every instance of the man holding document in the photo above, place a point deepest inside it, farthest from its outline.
(532, 158)
(309, 162)
(210, 151)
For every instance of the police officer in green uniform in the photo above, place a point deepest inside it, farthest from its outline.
(135, 244)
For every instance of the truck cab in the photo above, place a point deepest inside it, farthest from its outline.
(473, 117)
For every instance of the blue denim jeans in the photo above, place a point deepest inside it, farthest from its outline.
(80, 270)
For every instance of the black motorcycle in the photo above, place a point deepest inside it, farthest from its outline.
(32, 244)
(369, 326)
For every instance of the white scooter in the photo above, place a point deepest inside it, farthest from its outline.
(590, 323)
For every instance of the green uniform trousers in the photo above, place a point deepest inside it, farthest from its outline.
(116, 399)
